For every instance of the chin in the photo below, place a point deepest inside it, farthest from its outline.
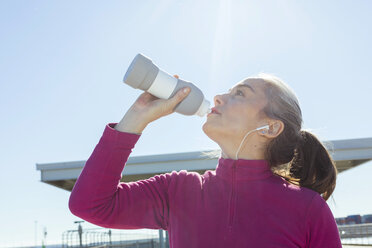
(209, 130)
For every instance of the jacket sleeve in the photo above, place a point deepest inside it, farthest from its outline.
(321, 227)
(100, 198)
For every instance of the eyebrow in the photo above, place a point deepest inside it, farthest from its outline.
(245, 85)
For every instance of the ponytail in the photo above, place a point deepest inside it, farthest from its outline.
(313, 165)
(296, 155)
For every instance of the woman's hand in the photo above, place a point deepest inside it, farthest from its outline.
(148, 108)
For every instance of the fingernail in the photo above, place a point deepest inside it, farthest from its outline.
(185, 90)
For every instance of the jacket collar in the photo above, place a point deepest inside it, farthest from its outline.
(243, 169)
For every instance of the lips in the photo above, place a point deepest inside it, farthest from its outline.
(215, 111)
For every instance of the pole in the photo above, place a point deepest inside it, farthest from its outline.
(166, 239)
(44, 239)
(110, 237)
(161, 239)
(35, 233)
(80, 232)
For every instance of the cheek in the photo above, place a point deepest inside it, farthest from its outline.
(240, 118)
(234, 120)
(239, 114)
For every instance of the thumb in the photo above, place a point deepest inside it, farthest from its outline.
(179, 96)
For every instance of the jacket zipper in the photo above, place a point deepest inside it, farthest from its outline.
(232, 202)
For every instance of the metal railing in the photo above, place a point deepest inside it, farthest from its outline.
(100, 237)
(356, 234)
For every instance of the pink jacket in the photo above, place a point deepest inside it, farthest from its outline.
(240, 204)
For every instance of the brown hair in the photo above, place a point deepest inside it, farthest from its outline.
(298, 153)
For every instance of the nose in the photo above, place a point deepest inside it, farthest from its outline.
(218, 99)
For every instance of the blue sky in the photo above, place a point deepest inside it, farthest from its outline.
(62, 64)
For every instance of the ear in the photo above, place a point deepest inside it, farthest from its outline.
(276, 127)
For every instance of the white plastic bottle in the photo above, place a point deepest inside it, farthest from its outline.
(145, 75)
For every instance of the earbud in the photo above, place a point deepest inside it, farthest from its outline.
(263, 127)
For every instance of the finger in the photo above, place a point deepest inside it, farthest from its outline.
(176, 76)
(179, 96)
(147, 97)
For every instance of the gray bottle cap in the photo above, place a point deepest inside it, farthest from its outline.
(141, 73)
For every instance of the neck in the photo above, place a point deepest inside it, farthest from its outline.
(249, 151)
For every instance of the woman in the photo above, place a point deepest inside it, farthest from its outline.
(269, 188)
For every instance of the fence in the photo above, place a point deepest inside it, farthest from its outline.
(358, 234)
(99, 237)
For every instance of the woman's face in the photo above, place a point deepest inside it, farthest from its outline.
(239, 110)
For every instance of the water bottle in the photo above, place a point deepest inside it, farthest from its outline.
(145, 75)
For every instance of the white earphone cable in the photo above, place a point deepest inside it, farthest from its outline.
(241, 143)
